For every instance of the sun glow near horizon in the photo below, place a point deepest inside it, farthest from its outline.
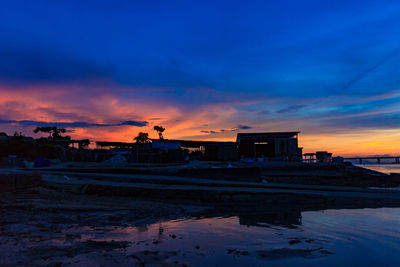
(209, 122)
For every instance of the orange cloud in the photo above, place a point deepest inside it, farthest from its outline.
(98, 106)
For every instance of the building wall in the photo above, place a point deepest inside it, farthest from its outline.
(221, 151)
(249, 149)
(293, 148)
(285, 148)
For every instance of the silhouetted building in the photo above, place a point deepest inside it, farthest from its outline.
(210, 150)
(225, 151)
(272, 146)
(113, 145)
(319, 156)
(323, 156)
(309, 158)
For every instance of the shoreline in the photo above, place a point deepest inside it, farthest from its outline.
(72, 217)
(53, 227)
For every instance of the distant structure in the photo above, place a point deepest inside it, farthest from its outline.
(272, 145)
(82, 144)
(276, 146)
(319, 156)
(171, 149)
(114, 145)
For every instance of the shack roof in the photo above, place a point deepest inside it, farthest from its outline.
(183, 143)
(194, 144)
(62, 141)
(262, 136)
(116, 144)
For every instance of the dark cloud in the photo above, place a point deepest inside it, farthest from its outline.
(238, 127)
(209, 132)
(292, 108)
(234, 129)
(243, 127)
(72, 124)
(131, 123)
(29, 65)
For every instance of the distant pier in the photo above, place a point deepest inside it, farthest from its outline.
(396, 159)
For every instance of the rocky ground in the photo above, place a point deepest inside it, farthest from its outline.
(46, 227)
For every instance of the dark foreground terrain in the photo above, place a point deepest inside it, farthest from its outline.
(46, 227)
(39, 227)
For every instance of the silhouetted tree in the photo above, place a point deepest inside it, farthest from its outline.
(84, 144)
(159, 130)
(16, 134)
(3, 134)
(142, 138)
(54, 132)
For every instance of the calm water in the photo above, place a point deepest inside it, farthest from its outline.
(385, 168)
(357, 237)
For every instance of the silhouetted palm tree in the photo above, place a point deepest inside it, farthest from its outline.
(159, 130)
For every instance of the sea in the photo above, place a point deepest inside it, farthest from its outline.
(333, 237)
(385, 168)
(339, 237)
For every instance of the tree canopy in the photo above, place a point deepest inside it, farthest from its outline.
(142, 138)
(159, 129)
(54, 132)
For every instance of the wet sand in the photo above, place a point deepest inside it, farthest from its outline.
(38, 227)
(54, 228)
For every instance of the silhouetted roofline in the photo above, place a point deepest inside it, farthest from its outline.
(251, 136)
(107, 143)
(193, 143)
(66, 141)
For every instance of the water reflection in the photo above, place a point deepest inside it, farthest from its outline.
(385, 168)
(281, 214)
(278, 238)
(288, 219)
(302, 232)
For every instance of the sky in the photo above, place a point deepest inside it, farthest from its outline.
(205, 70)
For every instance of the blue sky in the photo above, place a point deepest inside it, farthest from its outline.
(318, 66)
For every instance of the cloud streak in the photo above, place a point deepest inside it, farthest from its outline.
(233, 129)
(370, 70)
(30, 123)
